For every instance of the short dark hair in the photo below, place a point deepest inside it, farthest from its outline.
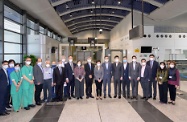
(164, 66)
(27, 58)
(124, 56)
(70, 56)
(11, 60)
(79, 61)
(133, 56)
(5, 61)
(151, 55)
(143, 59)
(98, 61)
(17, 64)
(106, 56)
(173, 62)
(116, 56)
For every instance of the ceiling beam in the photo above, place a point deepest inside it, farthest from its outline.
(59, 2)
(91, 15)
(155, 3)
(79, 22)
(90, 28)
(93, 7)
(91, 25)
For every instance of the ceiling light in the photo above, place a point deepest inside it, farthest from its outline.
(113, 12)
(67, 7)
(95, 38)
(100, 30)
(119, 2)
(93, 2)
(70, 15)
(91, 11)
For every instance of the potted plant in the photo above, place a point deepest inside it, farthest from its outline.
(33, 58)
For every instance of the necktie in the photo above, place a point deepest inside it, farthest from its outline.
(72, 66)
(134, 65)
(106, 65)
(90, 66)
(60, 70)
(151, 64)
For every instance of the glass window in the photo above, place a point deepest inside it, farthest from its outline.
(30, 31)
(12, 48)
(17, 58)
(12, 37)
(13, 15)
(49, 33)
(41, 30)
(9, 25)
(30, 24)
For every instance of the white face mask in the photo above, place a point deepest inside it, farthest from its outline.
(106, 60)
(134, 60)
(40, 63)
(116, 60)
(171, 66)
(17, 68)
(5, 66)
(47, 65)
(162, 66)
(11, 65)
(28, 62)
(151, 59)
(99, 65)
(89, 60)
(63, 60)
(70, 60)
(79, 65)
(59, 65)
(143, 64)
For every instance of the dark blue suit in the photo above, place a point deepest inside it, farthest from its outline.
(3, 90)
(71, 78)
(107, 77)
(144, 80)
(126, 81)
(153, 82)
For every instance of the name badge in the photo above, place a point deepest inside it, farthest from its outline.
(29, 74)
(170, 76)
(72, 73)
(160, 77)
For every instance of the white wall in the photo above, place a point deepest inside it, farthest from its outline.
(40, 46)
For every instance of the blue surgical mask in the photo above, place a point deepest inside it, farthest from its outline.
(124, 61)
(53, 65)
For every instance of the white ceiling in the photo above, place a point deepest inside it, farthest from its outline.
(45, 13)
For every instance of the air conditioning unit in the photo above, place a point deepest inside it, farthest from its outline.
(137, 32)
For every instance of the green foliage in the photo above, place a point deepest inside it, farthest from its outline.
(33, 58)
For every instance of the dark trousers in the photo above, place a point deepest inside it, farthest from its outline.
(107, 81)
(59, 92)
(145, 87)
(8, 97)
(47, 87)
(163, 92)
(38, 90)
(3, 94)
(126, 86)
(153, 83)
(71, 87)
(172, 92)
(89, 86)
(117, 87)
(79, 88)
(134, 85)
(99, 87)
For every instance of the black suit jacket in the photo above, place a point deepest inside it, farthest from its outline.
(125, 72)
(88, 71)
(147, 72)
(69, 71)
(117, 72)
(3, 80)
(57, 77)
(154, 68)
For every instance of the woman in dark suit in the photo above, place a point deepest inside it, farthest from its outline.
(162, 78)
(79, 80)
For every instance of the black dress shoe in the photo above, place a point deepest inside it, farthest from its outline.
(87, 97)
(115, 96)
(69, 98)
(132, 97)
(128, 97)
(26, 108)
(7, 113)
(32, 106)
(119, 97)
(77, 98)
(154, 98)
(91, 96)
(142, 97)
(136, 98)
(150, 97)
(109, 96)
(3, 114)
(38, 103)
(73, 96)
(9, 106)
(104, 96)
(81, 98)
(146, 99)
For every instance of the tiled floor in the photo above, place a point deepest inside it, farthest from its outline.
(106, 110)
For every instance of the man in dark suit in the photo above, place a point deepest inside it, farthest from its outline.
(107, 67)
(38, 80)
(117, 73)
(59, 77)
(126, 81)
(70, 78)
(134, 76)
(154, 66)
(89, 76)
(145, 78)
(4, 86)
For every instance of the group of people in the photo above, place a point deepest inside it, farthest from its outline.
(66, 80)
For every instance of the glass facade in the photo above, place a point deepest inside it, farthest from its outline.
(17, 25)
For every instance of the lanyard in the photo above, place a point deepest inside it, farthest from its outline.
(28, 68)
(18, 75)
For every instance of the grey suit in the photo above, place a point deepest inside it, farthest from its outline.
(117, 73)
(107, 77)
(38, 78)
(134, 74)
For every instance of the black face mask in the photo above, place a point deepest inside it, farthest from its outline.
(53, 66)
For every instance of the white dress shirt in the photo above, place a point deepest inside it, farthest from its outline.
(142, 71)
